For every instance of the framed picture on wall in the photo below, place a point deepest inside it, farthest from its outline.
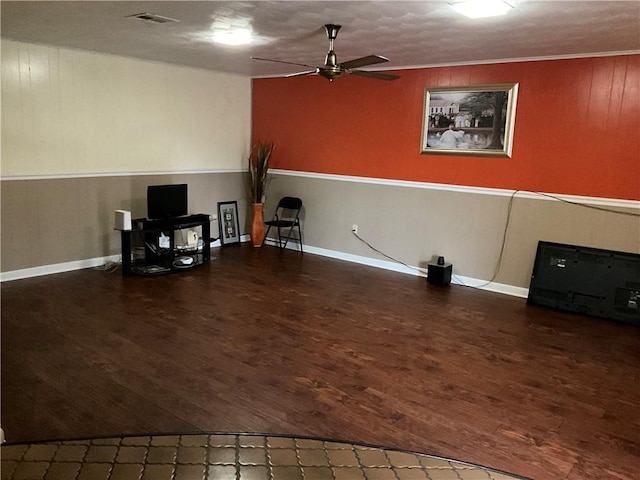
(471, 120)
(228, 223)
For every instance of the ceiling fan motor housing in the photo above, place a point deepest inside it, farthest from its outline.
(329, 72)
(331, 60)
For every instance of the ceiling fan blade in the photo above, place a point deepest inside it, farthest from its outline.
(364, 61)
(299, 74)
(377, 75)
(282, 61)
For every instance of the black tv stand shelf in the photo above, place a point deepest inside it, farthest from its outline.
(160, 246)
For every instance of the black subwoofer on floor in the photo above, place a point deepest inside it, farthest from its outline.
(439, 274)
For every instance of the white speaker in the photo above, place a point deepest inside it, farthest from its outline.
(122, 220)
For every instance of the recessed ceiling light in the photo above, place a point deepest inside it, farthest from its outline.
(236, 36)
(482, 8)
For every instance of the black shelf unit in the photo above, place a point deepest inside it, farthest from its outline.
(155, 247)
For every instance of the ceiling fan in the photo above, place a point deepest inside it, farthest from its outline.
(332, 69)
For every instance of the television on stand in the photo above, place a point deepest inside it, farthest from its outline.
(167, 201)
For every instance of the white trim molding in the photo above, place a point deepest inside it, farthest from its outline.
(75, 265)
(347, 257)
(58, 268)
(491, 61)
(57, 176)
(409, 270)
(601, 201)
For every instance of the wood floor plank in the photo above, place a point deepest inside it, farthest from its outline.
(298, 344)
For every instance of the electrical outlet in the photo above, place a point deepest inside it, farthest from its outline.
(354, 228)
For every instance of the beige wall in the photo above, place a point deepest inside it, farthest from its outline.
(46, 222)
(413, 224)
(74, 112)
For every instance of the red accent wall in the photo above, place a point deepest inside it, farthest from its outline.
(577, 127)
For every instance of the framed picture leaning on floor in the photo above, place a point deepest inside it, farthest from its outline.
(228, 223)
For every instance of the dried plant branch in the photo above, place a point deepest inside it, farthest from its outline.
(258, 169)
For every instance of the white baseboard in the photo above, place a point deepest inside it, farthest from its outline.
(66, 267)
(57, 268)
(348, 257)
(490, 286)
(416, 271)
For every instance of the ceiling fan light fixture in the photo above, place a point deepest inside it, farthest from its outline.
(482, 8)
(234, 37)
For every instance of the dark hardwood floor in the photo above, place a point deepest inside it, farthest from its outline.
(306, 345)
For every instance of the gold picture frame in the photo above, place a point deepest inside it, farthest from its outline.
(463, 120)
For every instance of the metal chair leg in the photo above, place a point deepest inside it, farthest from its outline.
(300, 237)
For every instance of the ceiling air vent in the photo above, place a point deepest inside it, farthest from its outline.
(152, 17)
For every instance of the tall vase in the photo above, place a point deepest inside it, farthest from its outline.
(257, 226)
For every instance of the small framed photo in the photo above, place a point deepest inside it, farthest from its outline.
(473, 120)
(228, 223)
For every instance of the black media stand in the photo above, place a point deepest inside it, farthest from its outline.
(154, 247)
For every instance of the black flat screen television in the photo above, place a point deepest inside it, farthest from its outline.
(166, 201)
(601, 283)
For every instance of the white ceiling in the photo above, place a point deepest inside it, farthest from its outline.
(413, 33)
